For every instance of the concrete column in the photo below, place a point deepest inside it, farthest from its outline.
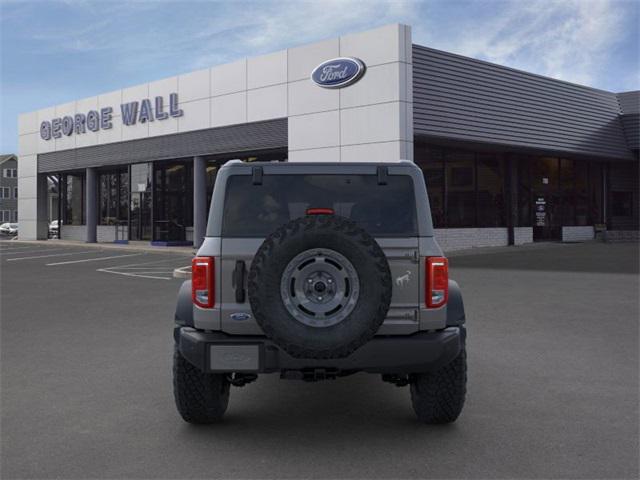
(199, 200)
(42, 215)
(91, 205)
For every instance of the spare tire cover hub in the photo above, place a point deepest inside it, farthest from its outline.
(320, 287)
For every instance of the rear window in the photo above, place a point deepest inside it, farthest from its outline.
(257, 210)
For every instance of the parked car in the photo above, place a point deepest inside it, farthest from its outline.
(316, 271)
(54, 229)
(9, 229)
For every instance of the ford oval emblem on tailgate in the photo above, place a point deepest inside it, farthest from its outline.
(339, 72)
(240, 316)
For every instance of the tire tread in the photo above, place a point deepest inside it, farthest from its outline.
(438, 397)
(200, 397)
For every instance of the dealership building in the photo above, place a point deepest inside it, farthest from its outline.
(509, 157)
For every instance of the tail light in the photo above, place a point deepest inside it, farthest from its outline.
(437, 285)
(320, 211)
(203, 281)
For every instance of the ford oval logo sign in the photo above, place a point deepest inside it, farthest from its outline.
(338, 73)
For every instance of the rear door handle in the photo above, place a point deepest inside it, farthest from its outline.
(238, 281)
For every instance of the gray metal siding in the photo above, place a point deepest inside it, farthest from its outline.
(461, 98)
(629, 101)
(631, 127)
(630, 107)
(237, 138)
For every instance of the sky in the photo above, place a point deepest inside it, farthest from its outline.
(55, 51)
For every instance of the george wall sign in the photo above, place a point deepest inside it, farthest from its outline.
(94, 120)
(338, 72)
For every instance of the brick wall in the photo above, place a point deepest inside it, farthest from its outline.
(107, 233)
(73, 232)
(614, 236)
(461, 238)
(522, 235)
(577, 234)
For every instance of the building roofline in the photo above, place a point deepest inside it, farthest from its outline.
(518, 70)
(6, 158)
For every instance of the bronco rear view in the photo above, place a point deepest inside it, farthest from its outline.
(316, 271)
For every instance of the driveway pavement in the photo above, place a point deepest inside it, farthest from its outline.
(86, 378)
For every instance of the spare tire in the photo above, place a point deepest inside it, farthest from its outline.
(320, 286)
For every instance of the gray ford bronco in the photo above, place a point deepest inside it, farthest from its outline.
(317, 271)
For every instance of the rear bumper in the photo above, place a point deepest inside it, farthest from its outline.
(219, 352)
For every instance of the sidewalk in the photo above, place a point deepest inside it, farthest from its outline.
(146, 247)
(131, 246)
(511, 248)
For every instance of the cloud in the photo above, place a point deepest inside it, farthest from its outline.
(267, 26)
(106, 45)
(569, 40)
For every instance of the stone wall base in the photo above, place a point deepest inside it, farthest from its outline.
(578, 234)
(73, 232)
(616, 236)
(461, 238)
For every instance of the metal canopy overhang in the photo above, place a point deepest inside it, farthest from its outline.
(233, 139)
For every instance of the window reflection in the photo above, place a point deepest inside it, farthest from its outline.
(113, 197)
(73, 199)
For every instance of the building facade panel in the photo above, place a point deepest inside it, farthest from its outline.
(197, 114)
(229, 78)
(303, 59)
(509, 157)
(317, 130)
(239, 138)
(228, 109)
(305, 97)
(194, 85)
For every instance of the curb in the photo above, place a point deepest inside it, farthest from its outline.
(109, 246)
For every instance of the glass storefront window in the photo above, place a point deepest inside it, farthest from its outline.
(141, 177)
(140, 201)
(430, 160)
(623, 211)
(113, 198)
(123, 196)
(596, 189)
(549, 192)
(460, 176)
(581, 196)
(524, 190)
(173, 201)
(73, 199)
(491, 201)
(567, 191)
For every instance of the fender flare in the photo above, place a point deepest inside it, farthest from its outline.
(184, 306)
(455, 306)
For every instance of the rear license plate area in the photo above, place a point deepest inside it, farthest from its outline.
(234, 358)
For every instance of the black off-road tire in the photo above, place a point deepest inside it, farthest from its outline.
(200, 397)
(438, 397)
(306, 233)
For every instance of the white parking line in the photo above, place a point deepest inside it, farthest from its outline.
(143, 270)
(92, 259)
(39, 250)
(138, 275)
(52, 255)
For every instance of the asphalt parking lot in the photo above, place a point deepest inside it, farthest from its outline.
(553, 378)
